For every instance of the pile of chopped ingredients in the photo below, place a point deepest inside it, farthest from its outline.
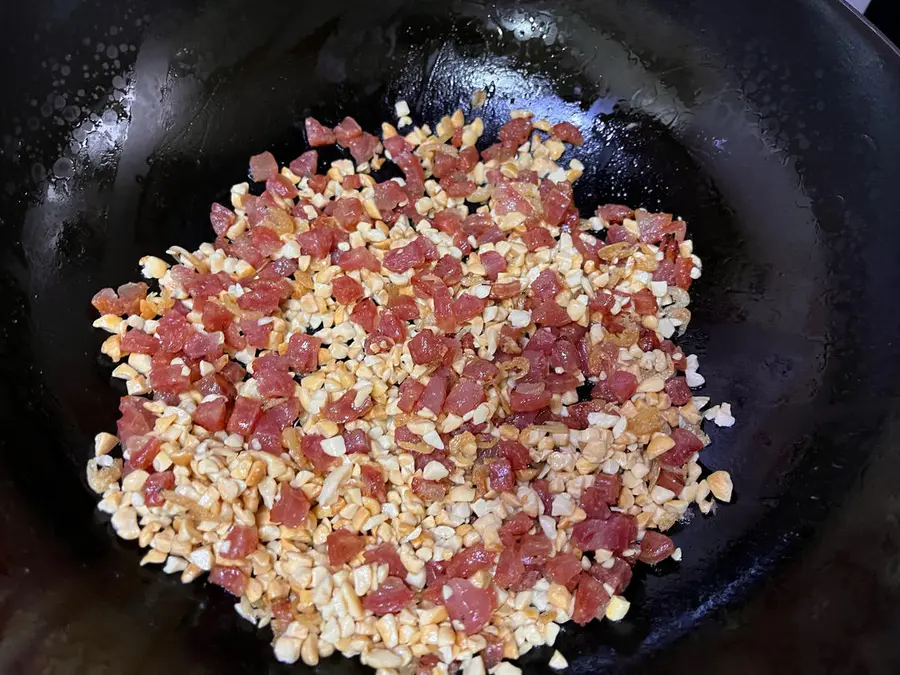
(423, 421)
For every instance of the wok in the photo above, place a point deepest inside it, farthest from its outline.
(770, 126)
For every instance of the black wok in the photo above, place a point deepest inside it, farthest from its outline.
(770, 126)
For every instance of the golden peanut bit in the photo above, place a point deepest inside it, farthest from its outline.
(360, 381)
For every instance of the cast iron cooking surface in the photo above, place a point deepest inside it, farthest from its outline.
(769, 126)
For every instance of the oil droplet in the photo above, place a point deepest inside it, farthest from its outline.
(64, 167)
(868, 142)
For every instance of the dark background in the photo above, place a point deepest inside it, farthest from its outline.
(885, 14)
(771, 126)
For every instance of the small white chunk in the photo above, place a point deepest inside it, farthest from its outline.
(519, 318)
(558, 661)
(617, 608)
(401, 108)
(693, 378)
(434, 471)
(334, 446)
(433, 438)
(723, 417)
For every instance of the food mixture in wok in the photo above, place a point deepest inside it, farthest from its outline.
(426, 420)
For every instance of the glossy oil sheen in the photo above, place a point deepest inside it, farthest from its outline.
(770, 126)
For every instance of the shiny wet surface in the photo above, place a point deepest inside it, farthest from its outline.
(716, 116)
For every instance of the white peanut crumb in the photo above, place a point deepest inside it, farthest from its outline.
(401, 108)
(287, 649)
(435, 471)
(720, 484)
(334, 446)
(519, 318)
(720, 415)
(617, 608)
(104, 443)
(558, 661)
(153, 267)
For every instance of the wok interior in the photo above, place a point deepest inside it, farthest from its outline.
(669, 125)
